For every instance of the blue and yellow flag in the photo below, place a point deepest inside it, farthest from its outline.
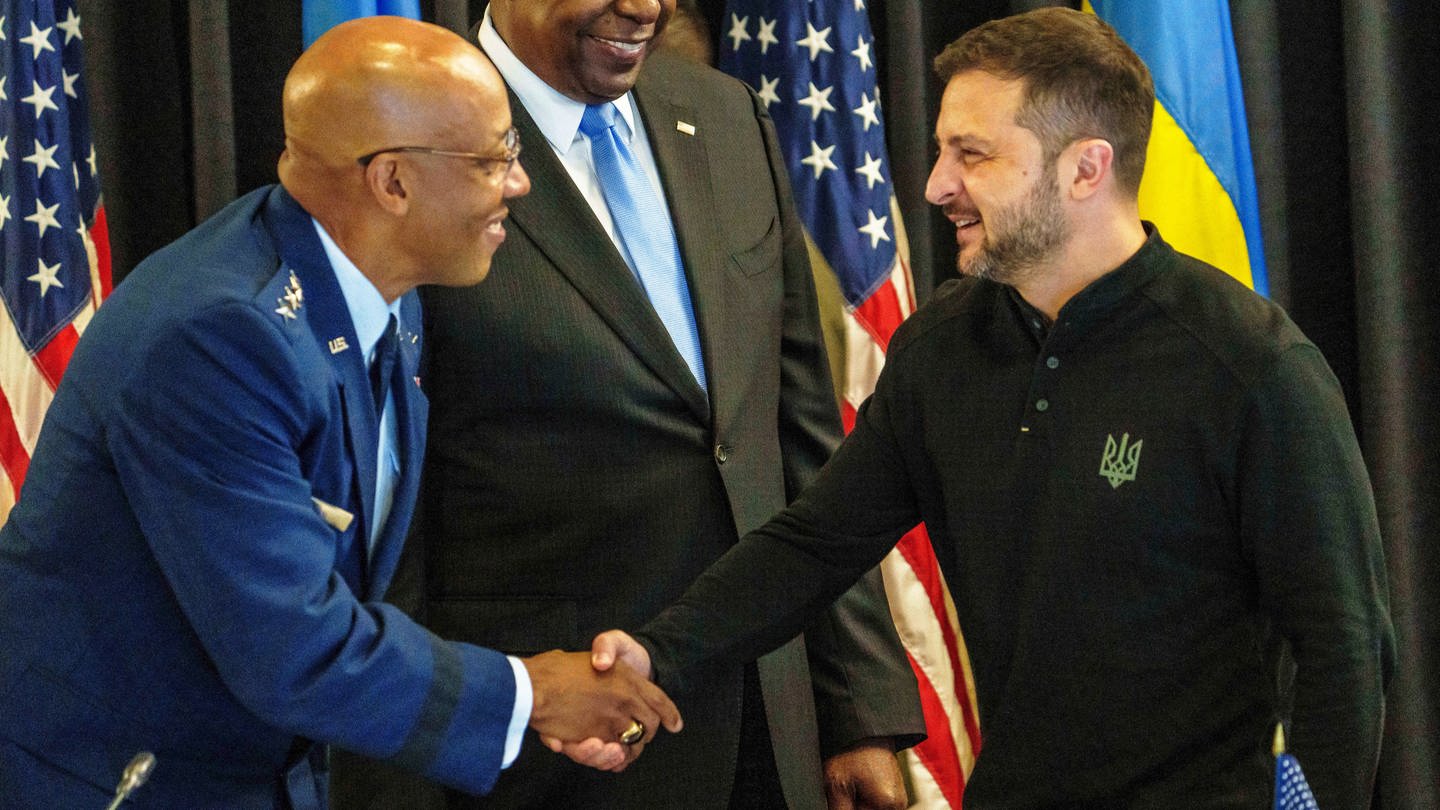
(322, 15)
(1199, 185)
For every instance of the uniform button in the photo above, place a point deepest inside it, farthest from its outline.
(722, 454)
(1052, 362)
(1042, 405)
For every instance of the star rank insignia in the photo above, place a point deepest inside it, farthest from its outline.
(292, 300)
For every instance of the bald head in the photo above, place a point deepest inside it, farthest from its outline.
(378, 82)
(415, 100)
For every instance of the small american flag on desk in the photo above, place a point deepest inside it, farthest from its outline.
(1292, 792)
(55, 267)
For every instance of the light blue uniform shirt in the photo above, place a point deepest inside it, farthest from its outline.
(369, 313)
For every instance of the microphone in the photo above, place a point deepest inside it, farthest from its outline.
(135, 775)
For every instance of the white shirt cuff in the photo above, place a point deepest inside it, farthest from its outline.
(520, 717)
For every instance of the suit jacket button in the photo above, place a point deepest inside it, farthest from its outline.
(722, 454)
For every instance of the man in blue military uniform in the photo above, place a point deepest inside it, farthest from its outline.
(219, 496)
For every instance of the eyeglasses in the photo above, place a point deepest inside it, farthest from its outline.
(486, 163)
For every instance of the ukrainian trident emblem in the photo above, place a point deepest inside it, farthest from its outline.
(1120, 461)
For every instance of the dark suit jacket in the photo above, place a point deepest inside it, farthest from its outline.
(167, 580)
(579, 478)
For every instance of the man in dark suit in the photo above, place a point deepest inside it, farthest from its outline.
(195, 563)
(592, 450)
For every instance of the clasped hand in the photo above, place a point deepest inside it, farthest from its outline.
(864, 776)
(584, 702)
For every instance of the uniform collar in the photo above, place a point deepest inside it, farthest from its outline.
(368, 310)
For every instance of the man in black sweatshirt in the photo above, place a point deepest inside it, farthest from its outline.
(1139, 476)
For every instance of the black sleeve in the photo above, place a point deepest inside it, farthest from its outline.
(863, 684)
(1307, 519)
(781, 576)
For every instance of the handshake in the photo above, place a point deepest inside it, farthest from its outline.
(600, 708)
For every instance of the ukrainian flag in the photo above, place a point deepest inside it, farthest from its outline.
(322, 15)
(1199, 185)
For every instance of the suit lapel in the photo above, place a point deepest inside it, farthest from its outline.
(684, 167)
(329, 320)
(558, 220)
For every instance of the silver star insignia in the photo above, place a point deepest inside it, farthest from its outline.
(294, 296)
(292, 300)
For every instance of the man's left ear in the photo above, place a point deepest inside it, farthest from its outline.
(1092, 160)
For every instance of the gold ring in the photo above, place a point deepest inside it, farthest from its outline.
(633, 734)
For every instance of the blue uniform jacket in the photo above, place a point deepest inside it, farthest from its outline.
(170, 581)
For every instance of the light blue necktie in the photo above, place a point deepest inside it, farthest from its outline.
(646, 232)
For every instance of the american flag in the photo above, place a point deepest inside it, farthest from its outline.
(813, 64)
(1292, 791)
(56, 263)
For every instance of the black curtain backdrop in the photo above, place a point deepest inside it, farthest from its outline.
(1392, 94)
(1341, 97)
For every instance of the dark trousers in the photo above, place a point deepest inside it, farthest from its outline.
(757, 782)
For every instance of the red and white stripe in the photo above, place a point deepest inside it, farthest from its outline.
(27, 382)
(920, 602)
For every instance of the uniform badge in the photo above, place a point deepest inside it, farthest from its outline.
(292, 299)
